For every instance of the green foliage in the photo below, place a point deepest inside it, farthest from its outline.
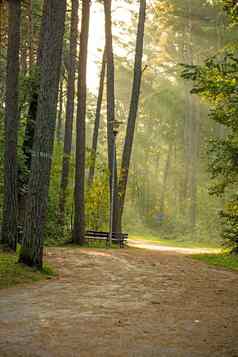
(177, 31)
(231, 7)
(55, 234)
(164, 104)
(229, 217)
(217, 82)
(97, 200)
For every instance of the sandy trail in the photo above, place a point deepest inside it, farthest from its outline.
(161, 248)
(128, 302)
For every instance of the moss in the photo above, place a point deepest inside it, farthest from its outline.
(13, 273)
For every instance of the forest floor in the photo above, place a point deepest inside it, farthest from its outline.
(122, 303)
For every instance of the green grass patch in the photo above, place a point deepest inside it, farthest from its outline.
(224, 260)
(180, 243)
(13, 273)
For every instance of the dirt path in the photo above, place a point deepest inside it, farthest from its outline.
(130, 302)
(162, 248)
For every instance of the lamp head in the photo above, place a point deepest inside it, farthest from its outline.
(116, 125)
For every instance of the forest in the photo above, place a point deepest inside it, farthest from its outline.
(119, 129)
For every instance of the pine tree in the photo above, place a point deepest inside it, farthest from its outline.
(79, 194)
(69, 110)
(36, 208)
(9, 225)
(133, 110)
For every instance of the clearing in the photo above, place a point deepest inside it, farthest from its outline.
(127, 302)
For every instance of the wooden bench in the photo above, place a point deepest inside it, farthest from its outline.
(118, 238)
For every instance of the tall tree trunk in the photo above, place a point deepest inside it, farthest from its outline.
(194, 162)
(133, 110)
(9, 224)
(23, 57)
(31, 118)
(193, 132)
(60, 112)
(27, 146)
(188, 120)
(185, 194)
(220, 39)
(69, 110)
(111, 112)
(3, 40)
(36, 209)
(2, 12)
(30, 34)
(165, 178)
(79, 194)
(97, 123)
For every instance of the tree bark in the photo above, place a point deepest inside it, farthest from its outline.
(69, 111)
(23, 179)
(60, 112)
(97, 123)
(23, 58)
(32, 112)
(30, 40)
(165, 178)
(194, 162)
(111, 111)
(36, 209)
(193, 119)
(133, 110)
(2, 13)
(9, 224)
(185, 194)
(79, 194)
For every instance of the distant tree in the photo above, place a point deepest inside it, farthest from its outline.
(165, 179)
(30, 35)
(111, 108)
(97, 123)
(3, 48)
(79, 195)
(9, 224)
(36, 209)
(126, 157)
(60, 111)
(216, 80)
(69, 109)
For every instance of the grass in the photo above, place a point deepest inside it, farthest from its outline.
(12, 273)
(224, 260)
(175, 243)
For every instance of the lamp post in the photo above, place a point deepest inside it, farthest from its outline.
(115, 130)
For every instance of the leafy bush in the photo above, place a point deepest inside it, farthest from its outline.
(97, 201)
